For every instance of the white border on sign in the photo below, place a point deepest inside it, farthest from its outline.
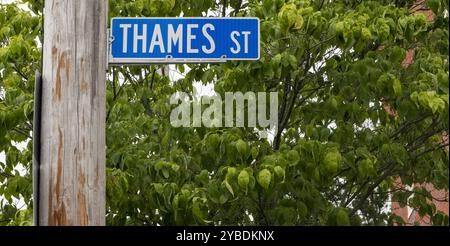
(137, 61)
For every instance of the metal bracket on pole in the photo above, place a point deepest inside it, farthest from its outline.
(36, 144)
(108, 47)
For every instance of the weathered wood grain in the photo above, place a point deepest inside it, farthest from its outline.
(72, 171)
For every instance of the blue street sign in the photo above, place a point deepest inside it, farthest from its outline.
(183, 40)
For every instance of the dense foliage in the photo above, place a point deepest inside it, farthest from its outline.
(353, 117)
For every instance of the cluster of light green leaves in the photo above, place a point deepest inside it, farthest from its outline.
(337, 66)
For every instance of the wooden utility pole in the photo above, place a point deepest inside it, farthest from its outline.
(72, 151)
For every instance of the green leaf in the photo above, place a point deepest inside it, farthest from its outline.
(397, 86)
(165, 173)
(196, 211)
(228, 186)
(366, 34)
(280, 173)
(365, 168)
(298, 22)
(242, 147)
(302, 209)
(342, 218)
(293, 157)
(243, 179)
(264, 178)
(293, 61)
(213, 141)
(255, 152)
(332, 162)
